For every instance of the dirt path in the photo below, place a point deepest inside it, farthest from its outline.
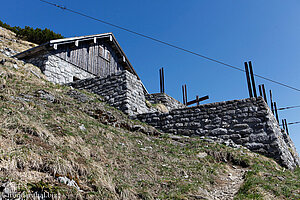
(227, 185)
(230, 184)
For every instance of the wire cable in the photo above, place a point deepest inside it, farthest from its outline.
(289, 107)
(292, 123)
(168, 44)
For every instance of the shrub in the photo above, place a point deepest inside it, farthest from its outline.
(37, 35)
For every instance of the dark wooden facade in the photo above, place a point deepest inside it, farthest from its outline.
(100, 55)
(98, 58)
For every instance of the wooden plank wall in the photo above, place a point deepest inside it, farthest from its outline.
(86, 56)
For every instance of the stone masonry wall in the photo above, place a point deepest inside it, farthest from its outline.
(58, 70)
(248, 122)
(122, 90)
(165, 99)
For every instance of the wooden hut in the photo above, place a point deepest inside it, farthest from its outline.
(69, 59)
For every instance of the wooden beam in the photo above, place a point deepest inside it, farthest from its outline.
(248, 80)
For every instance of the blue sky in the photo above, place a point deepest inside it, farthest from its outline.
(265, 32)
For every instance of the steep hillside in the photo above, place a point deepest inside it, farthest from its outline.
(70, 143)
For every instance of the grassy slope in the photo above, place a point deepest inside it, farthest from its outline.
(40, 140)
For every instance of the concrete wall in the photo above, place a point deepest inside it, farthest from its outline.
(58, 70)
(122, 90)
(248, 122)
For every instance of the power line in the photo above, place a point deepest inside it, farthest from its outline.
(168, 44)
(289, 107)
(291, 123)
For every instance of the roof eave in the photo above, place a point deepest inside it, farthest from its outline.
(32, 51)
(81, 38)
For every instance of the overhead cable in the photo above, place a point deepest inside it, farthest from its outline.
(168, 44)
(289, 107)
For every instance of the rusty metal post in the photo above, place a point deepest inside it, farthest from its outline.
(160, 81)
(286, 127)
(197, 101)
(252, 79)
(264, 93)
(185, 94)
(163, 80)
(276, 113)
(260, 91)
(271, 99)
(248, 79)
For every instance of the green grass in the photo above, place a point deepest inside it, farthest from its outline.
(111, 162)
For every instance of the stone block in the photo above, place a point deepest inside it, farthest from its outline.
(224, 137)
(240, 126)
(246, 131)
(253, 109)
(260, 138)
(201, 132)
(216, 120)
(242, 140)
(254, 145)
(179, 125)
(227, 117)
(242, 115)
(258, 126)
(210, 126)
(235, 137)
(195, 124)
(272, 137)
(252, 120)
(219, 131)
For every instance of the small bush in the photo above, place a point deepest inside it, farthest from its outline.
(37, 35)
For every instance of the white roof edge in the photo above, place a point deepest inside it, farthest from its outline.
(79, 38)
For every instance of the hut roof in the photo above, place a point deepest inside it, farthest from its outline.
(53, 44)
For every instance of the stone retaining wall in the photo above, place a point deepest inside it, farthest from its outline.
(164, 99)
(248, 122)
(122, 90)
